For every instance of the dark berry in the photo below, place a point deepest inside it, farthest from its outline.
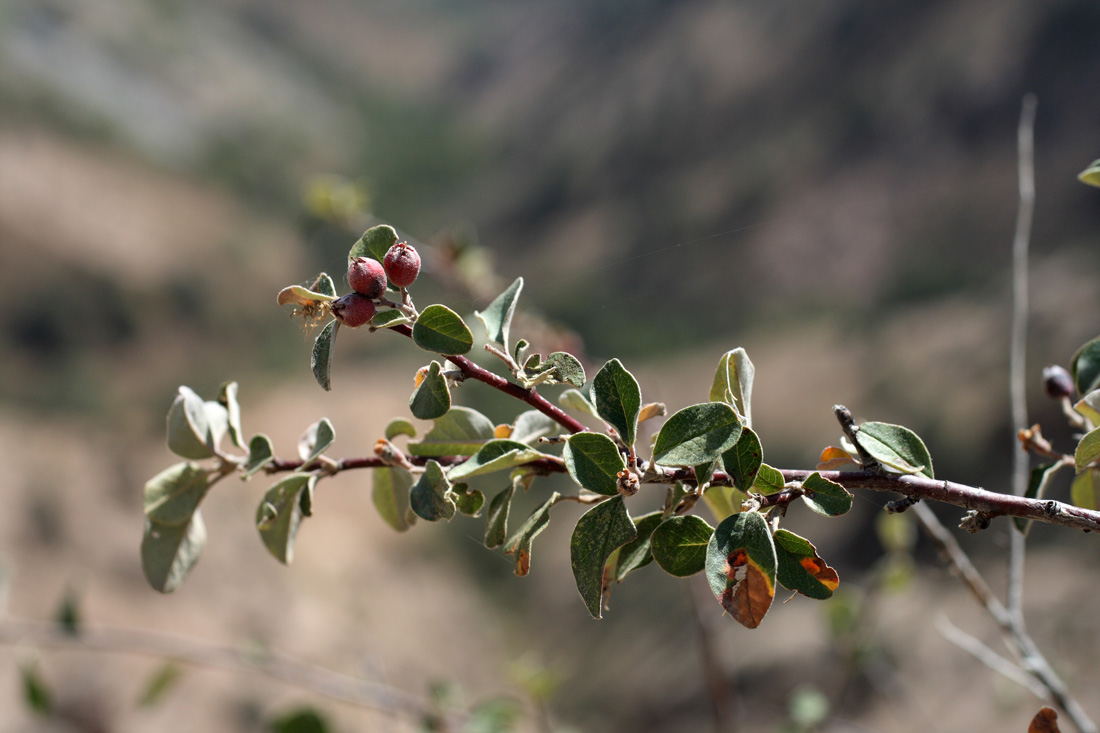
(353, 309)
(402, 264)
(1057, 382)
(366, 277)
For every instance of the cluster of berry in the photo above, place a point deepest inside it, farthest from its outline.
(367, 277)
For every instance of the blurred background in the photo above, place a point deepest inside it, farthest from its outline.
(831, 186)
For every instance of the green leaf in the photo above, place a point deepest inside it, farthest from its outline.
(1085, 488)
(431, 497)
(1091, 175)
(799, 567)
(603, 528)
(432, 397)
(171, 497)
(825, 496)
(460, 432)
(496, 455)
(1088, 450)
(680, 545)
(466, 501)
(733, 382)
(532, 425)
(189, 433)
(1037, 483)
(305, 720)
(593, 461)
(697, 434)
(260, 453)
(742, 462)
(227, 397)
(724, 501)
(374, 243)
(1089, 406)
(498, 316)
(315, 440)
(567, 368)
(519, 544)
(618, 399)
(496, 522)
(324, 285)
(321, 359)
(768, 480)
(440, 329)
(160, 684)
(389, 319)
(572, 399)
(741, 565)
(704, 473)
(399, 426)
(895, 447)
(169, 552)
(36, 694)
(280, 514)
(637, 553)
(390, 488)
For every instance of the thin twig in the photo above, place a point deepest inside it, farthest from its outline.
(1002, 666)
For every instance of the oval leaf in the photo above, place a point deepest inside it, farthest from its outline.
(260, 453)
(1088, 450)
(497, 318)
(567, 368)
(799, 567)
(189, 434)
(742, 462)
(593, 461)
(697, 434)
(315, 440)
(496, 455)
(321, 359)
(169, 552)
(496, 522)
(432, 397)
(895, 447)
(460, 432)
(618, 399)
(603, 529)
(280, 514)
(519, 544)
(431, 497)
(680, 545)
(173, 495)
(399, 426)
(768, 480)
(374, 243)
(826, 497)
(733, 382)
(390, 488)
(532, 425)
(440, 329)
(741, 567)
(389, 319)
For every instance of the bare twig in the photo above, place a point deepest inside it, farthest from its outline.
(1002, 666)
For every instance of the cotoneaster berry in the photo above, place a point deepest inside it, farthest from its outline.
(353, 309)
(402, 264)
(366, 277)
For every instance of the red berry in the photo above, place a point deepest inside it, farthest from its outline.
(402, 264)
(353, 309)
(366, 277)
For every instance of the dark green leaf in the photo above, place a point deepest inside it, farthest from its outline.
(603, 528)
(321, 359)
(593, 461)
(432, 398)
(1085, 367)
(498, 316)
(260, 453)
(171, 497)
(532, 425)
(704, 473)
(374, 243)
(800, 568)
(431, 497)
(743, 460)
(895, 447)
(169, 552)
(733, 382)
(36, 694)
(496, 522)
(637, 553)
(1088, 450)
(227, 396)
(519, 544)
(280, 514)
(160, 684)
(723, 501)
(741, 566)
(680, 545)
(567, 368)
(315, 440)
(618, 399)
(324, 285)
(496, 455)
(1038, 481)
(697, 434)
(189, 434)
(825, 496)
(440, 329)
(466, 501)
(306, 720)
(390, 488)
(768, 480)
(389, 319)
(460, 432)
(1085, 489)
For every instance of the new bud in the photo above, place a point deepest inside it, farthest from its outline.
(366, 277)
(402, 264)
(1057, 382)
(353, 309)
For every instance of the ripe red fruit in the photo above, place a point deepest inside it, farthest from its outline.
(353, 309)
(366, 277)
(402, 264)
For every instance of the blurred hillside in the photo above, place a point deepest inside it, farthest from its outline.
(832, 187)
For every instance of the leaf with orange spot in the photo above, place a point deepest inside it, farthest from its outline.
(741, 565)
(801, 569)
(834, 459)
(1045, 721)
(519, 544)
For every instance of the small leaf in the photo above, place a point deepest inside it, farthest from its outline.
(1085, 488)
(171, 497)
(618, 399)
(603, 529)
(836, 459)
(305, 720)
(800, 568)
(297, 295)
(532, 425)
(160, 684)
(895, 447)
(315, 440)
(496, 455)
(768, 480)
(439, 329)
(324, 285)
(567, 369)
(572, 399)
(1089, 406)
(399, 426)
(1046, 720)
(36, 694)
(733, 382)
(497, 318)
(496, 522)
(432, 398)
(593, 461)
(742, 462)
(460, 432)
(227, 396)
(389, 319)
(260, 453)
(697, 434)
(741, 567)
(390, 488)
(280, 514)
(1038, 480)
(189, 433)
(217, 418)
(466, 501)
(169, 552)
(637, 553)
(1091, 175)
(374, 243)
(431, 497)
(826, 497)
(723, 501)
(1088, 450)
(321, 359)
(680, 545)
(519, 544)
